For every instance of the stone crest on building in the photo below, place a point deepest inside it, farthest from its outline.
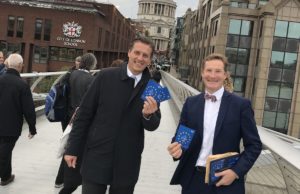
(72, 29)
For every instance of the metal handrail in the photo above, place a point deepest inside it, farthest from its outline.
(277, 169)
(40, 76)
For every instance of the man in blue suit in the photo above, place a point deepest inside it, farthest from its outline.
(220, 120)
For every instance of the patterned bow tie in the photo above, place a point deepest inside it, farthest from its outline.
(213, 98)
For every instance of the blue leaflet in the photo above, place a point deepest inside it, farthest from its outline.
(221, 165)
(155, 90)
(184, 136)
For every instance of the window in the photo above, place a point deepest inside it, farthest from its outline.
(38, 29)
(158, 30)
(234, 26)
(294, 30)
(64, 54)
(47, 30)
(216, 28)
(10, 26)
(40, 55)
(281, 28)
(281, 75)
(246, 28)
(238, 48)
(20, 26)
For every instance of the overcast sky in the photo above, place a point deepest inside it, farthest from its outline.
(129, 8)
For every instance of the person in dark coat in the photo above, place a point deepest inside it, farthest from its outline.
(15, 102)
(111, 120)
(79, 82)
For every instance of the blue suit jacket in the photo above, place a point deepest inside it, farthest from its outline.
(235, 122)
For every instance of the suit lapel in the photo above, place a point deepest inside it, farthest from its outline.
(198, 116)
(136, 90)
(222, 112)
(201, 115)
(140, 85)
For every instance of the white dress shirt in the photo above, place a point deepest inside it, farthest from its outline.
(211, 111)
(136, 78)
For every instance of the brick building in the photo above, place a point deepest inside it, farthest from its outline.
(51, 34)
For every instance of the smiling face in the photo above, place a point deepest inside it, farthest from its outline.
(213, 75)
(139, 57)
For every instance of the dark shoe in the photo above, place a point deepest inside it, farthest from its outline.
(59, 185)
(11, 179)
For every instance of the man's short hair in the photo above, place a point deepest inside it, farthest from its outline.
(216, 56)
(144, 40)
(88, 61)
(15, 60)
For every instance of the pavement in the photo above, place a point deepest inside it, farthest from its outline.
(35, 161)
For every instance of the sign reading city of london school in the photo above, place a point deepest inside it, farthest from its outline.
(72, 32)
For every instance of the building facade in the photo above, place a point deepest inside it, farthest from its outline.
(261, 40)
(158, 18)
(51, 34)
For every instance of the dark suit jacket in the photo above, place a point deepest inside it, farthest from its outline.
(235, 122)
(15, 102)
(110, 120)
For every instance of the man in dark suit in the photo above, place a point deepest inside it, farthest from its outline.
(220, 120)
(110, 124)
(15, 102)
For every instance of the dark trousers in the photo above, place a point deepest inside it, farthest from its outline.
(7, 145)
(67, 190)
(94, 188)
(197, 184)
(60, 174)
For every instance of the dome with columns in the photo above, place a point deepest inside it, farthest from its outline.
(158, 18)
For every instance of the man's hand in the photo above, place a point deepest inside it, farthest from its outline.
(30, 136)
(175, 150)
(71, 161)
(228, 176)
(150, 106)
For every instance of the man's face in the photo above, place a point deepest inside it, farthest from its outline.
(213, 75)
(139, 57)
(1, 58)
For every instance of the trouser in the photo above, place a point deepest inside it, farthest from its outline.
(197, 184)
(94, 188)
(67, 190)
(7, 145)
(60, 174)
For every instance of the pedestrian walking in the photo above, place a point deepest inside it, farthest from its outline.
(15, 102)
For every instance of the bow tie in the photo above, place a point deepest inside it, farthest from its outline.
(213, 98)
